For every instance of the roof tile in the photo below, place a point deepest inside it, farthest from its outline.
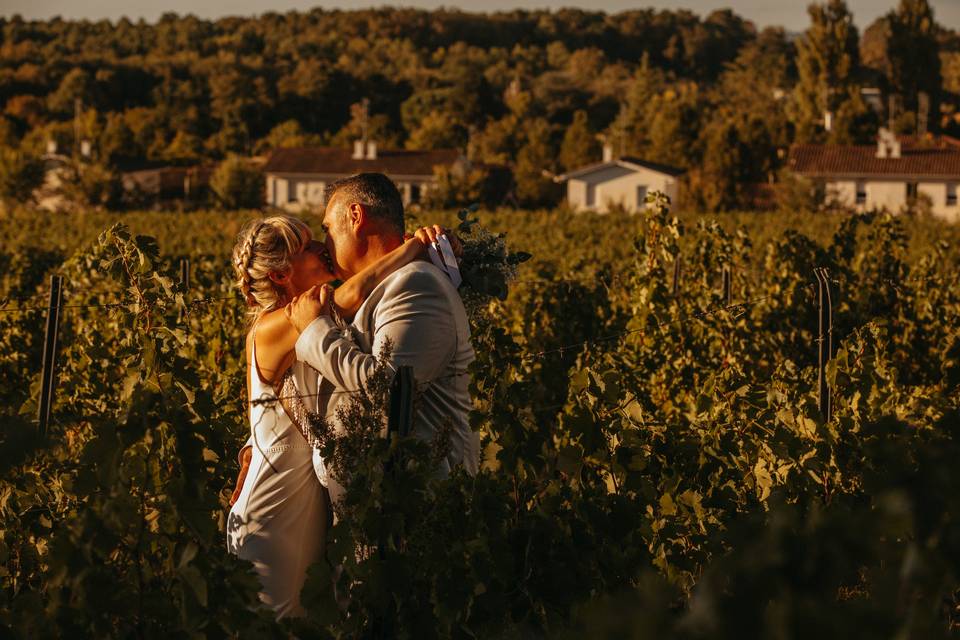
(337, 161)
(936, 161)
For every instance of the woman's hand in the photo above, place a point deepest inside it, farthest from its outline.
(429, 235)
(246, 455)
(308, 306)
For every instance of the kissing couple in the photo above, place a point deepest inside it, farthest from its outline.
(301, 349)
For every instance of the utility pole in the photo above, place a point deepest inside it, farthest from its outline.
(77, 108)
(923, 111)
(364, 118)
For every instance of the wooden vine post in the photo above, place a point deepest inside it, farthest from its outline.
(676, 275)
(185, 273)
(399, 422)
(727, 289)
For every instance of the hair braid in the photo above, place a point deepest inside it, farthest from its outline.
(264, 247)
(242, 260)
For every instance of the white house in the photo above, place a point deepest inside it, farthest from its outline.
(618, 182)
(297, 178)
(888, 175)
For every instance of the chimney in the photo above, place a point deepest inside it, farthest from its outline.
(888, 146)
(86, 148)
(828, 120)
(608, 153)
(358, 151)
(51, 147)
(371, 150)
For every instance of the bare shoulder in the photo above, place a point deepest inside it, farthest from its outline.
(272, 327)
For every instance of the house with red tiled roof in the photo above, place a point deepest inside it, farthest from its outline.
(891, 175)
(297, 178)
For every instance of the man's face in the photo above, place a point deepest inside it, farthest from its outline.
(342, 241)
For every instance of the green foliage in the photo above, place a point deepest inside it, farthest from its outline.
(913, 55)
(91, 184)
(654, 465)
(579, 147)
(827, 58)
(236, 184)
(20, 175)
(535, 163)
(652, 82)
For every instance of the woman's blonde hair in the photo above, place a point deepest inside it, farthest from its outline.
(264, 247)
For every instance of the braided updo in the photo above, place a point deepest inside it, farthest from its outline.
(264, 247)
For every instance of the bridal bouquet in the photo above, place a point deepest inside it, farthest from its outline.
(487, 266)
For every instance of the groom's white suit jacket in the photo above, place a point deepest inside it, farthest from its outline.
(420, 312)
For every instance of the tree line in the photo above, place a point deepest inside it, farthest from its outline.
(537, 92)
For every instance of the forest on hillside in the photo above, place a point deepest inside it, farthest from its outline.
(534, 91)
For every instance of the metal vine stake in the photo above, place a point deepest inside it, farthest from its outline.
(48, 377)
(824, 340)
(676, 275)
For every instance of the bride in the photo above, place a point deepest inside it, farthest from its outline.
(278, 517)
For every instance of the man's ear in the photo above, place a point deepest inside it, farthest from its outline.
(357, 216)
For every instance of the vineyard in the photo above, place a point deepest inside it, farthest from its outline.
(655, 462)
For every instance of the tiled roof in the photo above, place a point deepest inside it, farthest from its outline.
(938, 160)
(340, 162)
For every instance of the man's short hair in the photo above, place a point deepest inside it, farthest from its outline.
(374, 191)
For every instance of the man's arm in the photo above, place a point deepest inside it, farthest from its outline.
(414, 315)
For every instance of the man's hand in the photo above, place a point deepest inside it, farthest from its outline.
(246, 454)
(309, 305)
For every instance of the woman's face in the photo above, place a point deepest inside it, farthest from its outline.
(310, 267)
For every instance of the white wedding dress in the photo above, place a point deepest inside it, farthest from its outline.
(279, 520)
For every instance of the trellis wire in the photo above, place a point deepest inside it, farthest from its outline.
(737, 308)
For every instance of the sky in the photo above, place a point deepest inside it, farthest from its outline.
(790, 14)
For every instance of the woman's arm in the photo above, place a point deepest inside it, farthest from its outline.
(276, 334)
(350, 295)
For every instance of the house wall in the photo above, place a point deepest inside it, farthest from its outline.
(618, 186)
(309, 192)
(892, 195)
(888, 194)
(577, 194)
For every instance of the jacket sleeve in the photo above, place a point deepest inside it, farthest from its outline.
(413, 315)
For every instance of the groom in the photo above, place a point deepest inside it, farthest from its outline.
(416, 309)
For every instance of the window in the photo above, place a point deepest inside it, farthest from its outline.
(414, 193)
(291, 191)
(861, 192)
(951, 194)
(911, 191)
(642, 196)
(591, 194)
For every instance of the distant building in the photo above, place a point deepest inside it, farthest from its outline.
(618, 182)
(50, 194)
(890, 174)
(162, 183)
(297, 178)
